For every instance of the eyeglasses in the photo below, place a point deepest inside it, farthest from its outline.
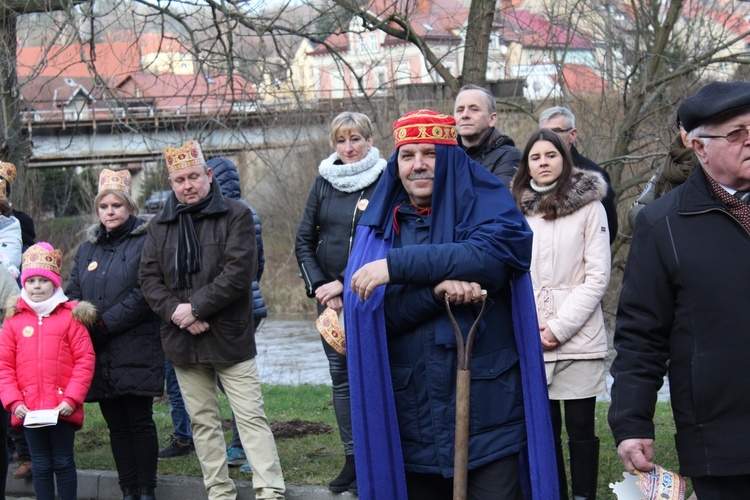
(558, 130)
(735, 136)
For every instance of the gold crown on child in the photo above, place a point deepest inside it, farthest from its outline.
(118, 180)
(38, 257)
(188, 155)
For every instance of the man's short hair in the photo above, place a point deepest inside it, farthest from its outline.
(556, 111)
(491, 101)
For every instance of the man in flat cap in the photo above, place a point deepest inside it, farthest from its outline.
(684, 307)
(197, 269)
(440, 227)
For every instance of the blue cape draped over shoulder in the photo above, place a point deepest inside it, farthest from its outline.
(468, 204)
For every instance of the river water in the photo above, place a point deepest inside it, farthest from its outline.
(290, 353)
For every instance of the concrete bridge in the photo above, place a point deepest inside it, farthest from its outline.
(137, 142)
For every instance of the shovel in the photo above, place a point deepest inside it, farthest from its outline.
(463, 388)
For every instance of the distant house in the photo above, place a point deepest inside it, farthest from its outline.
(544, 80)
(289, 75)
(147, 94)
(360, 61)
(58, 99)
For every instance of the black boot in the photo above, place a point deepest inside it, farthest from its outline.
(584, 468)
(131, 493)
(347, 476)
(147, 493)
(562, 478)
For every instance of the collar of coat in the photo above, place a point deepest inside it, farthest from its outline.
(84, 312)
(586, 186)
(95, 231)
(218, 205)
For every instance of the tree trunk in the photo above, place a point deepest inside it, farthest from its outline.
(13, 146)
(481, 15)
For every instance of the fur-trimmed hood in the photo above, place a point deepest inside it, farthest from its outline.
(95, 231)
(83, 312)
(586, 187)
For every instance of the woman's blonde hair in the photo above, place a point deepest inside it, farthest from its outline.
(120, 195)
(350, 121)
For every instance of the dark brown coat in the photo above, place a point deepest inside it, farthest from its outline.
(222, 291)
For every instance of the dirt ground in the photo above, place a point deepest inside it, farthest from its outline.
(290, 429)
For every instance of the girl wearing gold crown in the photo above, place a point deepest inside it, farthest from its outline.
(46, 363)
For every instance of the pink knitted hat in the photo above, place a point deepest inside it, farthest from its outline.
(42, 260)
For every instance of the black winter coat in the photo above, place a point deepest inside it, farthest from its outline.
(498, 154)
(683, 311)
(326, 232)
(129, 357)
(608, 201)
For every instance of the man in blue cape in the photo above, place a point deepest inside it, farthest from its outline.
(440, 225)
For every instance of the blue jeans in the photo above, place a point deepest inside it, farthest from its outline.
(180, 417)
(52, 457)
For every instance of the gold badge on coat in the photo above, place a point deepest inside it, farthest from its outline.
(93, 266)
(28, 331)
(362, 205)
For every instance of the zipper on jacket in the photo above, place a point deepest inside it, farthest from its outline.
(306, 277)
(354, 224)
(40, 368)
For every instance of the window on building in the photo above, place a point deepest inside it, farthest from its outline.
(374, 46)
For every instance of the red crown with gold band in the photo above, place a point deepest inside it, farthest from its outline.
(425, 125)
(8, 171)
(188, 155)
(119, 181)
(42, 256)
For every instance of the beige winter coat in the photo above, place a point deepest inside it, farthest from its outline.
(570, 267)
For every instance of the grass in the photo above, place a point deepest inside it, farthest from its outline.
(316, 460)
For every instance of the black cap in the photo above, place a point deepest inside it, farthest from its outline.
(714, 101)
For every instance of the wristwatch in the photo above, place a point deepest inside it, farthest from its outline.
(192, 309)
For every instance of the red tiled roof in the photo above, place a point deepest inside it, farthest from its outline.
(170, 92)
(109, 59)
(581, 79)
(532, 30)
(117, 55)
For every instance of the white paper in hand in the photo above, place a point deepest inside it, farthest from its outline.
(40, 418)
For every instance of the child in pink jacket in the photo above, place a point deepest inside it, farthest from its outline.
(47, 362)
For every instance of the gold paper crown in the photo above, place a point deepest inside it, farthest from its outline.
(8, 171)
(38, 257)
(331, 329)
(188, 155)
(120, 181)
(3, 190)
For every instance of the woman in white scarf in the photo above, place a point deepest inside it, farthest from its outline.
(337, 200)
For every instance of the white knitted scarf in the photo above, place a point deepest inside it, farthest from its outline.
(45, 307)
(352, 177)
